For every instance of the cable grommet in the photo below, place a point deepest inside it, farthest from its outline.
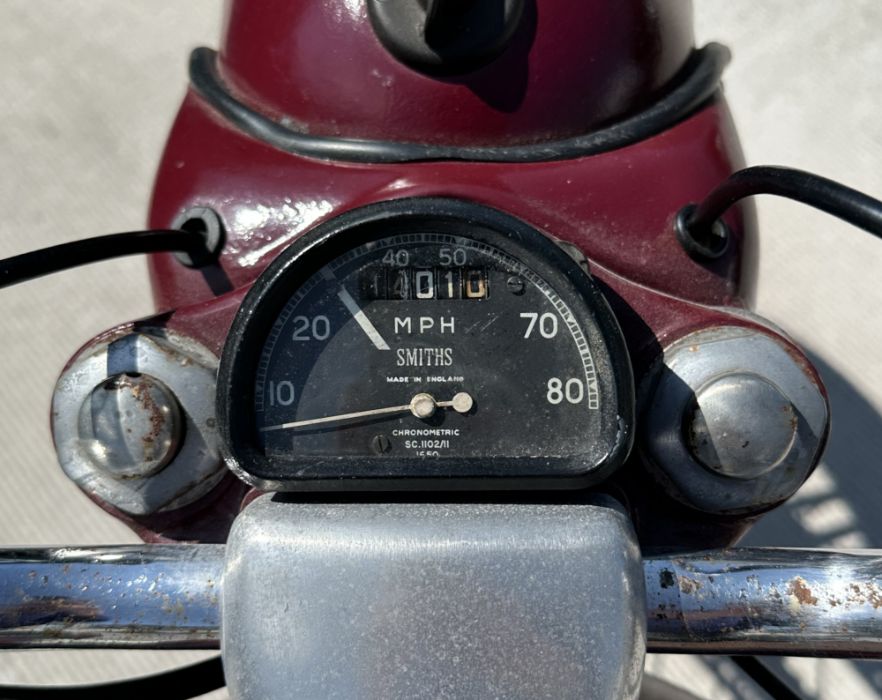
(704, 245)
(208, 224)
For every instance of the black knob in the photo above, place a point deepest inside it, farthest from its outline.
(445, 37)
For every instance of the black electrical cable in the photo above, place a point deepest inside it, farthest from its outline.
(27, 266)
(177, 684)
(702, 233)
(765, 678)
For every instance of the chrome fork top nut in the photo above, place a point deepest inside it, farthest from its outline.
(740, 425)
(130, 425)
(734, 421)
(133, 420)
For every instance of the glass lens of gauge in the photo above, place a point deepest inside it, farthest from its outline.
(428, 345)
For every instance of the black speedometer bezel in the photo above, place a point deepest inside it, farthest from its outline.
(333, 238)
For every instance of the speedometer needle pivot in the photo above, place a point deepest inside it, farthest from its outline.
(422, 406)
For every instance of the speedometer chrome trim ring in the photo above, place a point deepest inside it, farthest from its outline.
(319, 441)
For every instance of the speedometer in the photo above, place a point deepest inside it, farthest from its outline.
(425, 343)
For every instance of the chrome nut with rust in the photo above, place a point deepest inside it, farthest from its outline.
(133, 421)
(735, 422)
(131, 426)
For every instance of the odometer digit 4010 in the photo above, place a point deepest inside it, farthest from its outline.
(425, 343)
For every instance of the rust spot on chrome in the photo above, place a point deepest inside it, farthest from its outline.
(801, 592)
(688, 585)
(866, 593)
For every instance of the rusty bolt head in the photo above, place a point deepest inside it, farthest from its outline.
(130, 426)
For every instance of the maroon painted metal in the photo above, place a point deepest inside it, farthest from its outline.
(572, 66)
(577, 64)
(617, 206)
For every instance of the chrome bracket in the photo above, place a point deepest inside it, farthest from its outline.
(417, 600)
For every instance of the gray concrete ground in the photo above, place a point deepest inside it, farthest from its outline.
(88, 90)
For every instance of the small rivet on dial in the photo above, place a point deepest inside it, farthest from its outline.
(515, 285)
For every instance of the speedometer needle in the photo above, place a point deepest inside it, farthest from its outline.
(360, 317)
(422, 406)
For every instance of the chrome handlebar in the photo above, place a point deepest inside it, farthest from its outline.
(787, 602)
(148, 597)
(794, 602)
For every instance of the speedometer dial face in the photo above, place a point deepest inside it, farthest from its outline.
(425, 340)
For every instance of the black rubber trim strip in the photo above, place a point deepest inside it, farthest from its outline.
(697, 84)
